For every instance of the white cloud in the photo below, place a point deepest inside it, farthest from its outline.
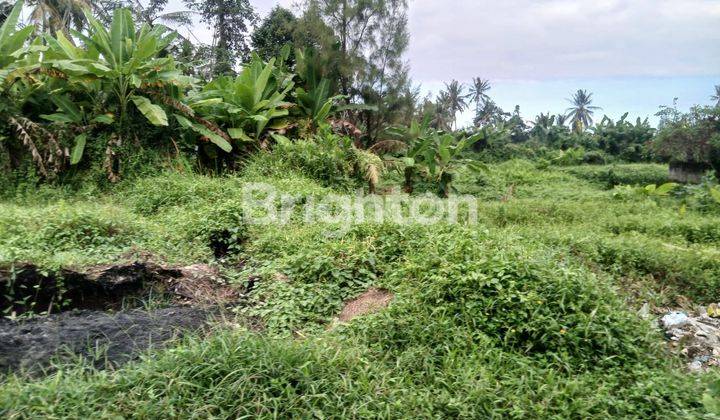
(552, 39)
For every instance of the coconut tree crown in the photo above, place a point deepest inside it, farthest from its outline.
(581, 111)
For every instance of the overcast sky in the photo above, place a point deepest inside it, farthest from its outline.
(633, 54)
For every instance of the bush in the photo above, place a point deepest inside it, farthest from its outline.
(622, 174)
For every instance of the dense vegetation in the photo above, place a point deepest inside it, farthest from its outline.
(118, 139)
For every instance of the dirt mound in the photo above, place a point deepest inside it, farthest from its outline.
(26, 288)
(105, 339)
(202, 284)
(373, 300)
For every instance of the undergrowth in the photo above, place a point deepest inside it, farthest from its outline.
(526, 314)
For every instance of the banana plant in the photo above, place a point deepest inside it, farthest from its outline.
(120, 66)
(316, 104)
(249, 106)
(13, 46)
(444, 156)
(433, 155)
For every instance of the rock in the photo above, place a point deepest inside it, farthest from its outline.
(695, 366)
(674, 319)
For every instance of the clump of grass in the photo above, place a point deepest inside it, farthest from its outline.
(66, 233)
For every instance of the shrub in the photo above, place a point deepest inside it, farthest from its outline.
(628, 174)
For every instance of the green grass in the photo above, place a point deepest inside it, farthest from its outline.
(530, 313)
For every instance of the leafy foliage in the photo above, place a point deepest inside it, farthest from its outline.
(248, 105)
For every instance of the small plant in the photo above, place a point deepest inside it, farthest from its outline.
(652, 190)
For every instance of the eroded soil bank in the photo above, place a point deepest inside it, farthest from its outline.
(106, 314)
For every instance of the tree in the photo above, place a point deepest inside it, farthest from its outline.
(490, 113)
(517, 126)
(623, 138)
(691, 140)
(441, 115)
(455, 99)
(560, 120)
(581, 112)
(275, 31)
(363, 43)
(478, 93)
(230, 21)
(716, 96)
(363, 34)
(55, 16)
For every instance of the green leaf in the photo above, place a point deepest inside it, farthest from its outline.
(68, 107)
(71, 67)
(103, 119)
(213, 137)
(11, 22)
(184, 122)
(262, 80)
(78, 149)
(664, 189)
(155, 114)
(118, 31)
(67, 47)
(280, 139)
(57, 117)
(239, 134)
(206, 102)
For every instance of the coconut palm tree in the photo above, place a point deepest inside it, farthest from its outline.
(441, 118)
(55, 16)
(478, 92)
(716, 96)
(581, 112)
(455, 97)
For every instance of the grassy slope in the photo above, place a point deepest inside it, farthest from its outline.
(518, 316)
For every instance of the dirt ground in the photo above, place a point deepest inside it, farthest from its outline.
(104, 339)
(104, 316)
(370, 301)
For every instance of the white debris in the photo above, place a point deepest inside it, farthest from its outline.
(674, 319)
(695, 337)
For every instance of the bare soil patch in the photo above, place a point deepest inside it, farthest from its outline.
(373, 300)
(105, 314)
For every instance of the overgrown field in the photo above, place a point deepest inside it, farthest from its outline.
(532, 312)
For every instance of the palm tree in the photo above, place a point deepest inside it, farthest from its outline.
(716, 96)
(441, 116)
(478, 92)
(55, 16)
(455, 98)
(582, 110)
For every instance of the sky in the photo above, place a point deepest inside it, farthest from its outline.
(634, 55)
